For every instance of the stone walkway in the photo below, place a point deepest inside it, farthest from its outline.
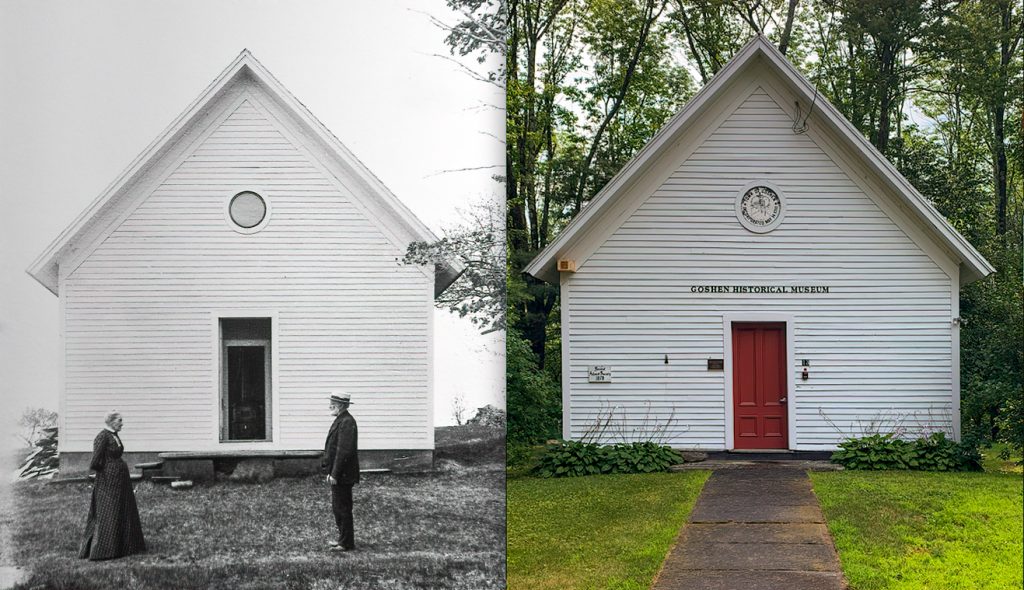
(756, 528)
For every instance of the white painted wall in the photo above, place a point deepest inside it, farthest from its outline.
(140, 311)
(879, 343)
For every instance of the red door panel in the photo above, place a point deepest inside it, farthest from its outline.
(759, 385)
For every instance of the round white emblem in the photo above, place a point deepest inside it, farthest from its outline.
(759, 207)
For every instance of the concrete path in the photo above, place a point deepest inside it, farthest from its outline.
(757, 528)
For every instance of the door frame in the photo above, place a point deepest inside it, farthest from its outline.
(756, 317)
(225, 411)
(274, 408)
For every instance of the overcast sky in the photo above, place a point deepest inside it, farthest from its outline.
(86, 86)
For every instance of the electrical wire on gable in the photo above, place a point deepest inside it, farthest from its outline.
(800, 127)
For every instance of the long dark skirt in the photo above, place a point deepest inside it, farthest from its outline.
(113, 528)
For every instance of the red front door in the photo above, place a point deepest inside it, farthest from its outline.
(759, 385)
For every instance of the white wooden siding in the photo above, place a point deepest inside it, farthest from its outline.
(879, 343)
(139, 310)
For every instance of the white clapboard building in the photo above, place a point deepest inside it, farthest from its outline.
(759, 277)
(242, 268)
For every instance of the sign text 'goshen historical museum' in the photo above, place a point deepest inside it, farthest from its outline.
(755, 289)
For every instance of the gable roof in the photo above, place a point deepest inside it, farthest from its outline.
(100, 218)
(973, 265)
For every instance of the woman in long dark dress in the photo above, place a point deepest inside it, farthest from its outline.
(113, 528)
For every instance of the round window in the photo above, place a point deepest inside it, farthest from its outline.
(247, 209)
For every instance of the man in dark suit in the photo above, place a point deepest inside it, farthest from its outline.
(341, 464)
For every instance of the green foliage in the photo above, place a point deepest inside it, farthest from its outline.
(521, 459)
(1011, 426)
(533, 398)
(877, 451)
(641, 457)
(954, 68)
(992, 341)
(931, 453)
(575, 458)
(572, 458)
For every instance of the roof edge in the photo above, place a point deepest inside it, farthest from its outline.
(977, 267)
(44, 268)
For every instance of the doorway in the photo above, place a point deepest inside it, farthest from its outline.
(245, 385)
(759, 385)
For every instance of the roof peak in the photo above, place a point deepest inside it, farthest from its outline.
(407, 226)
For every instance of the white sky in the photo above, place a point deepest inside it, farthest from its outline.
(86, 86)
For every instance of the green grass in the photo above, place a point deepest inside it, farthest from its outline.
(606, 531)
(438, 530)
(901, 530)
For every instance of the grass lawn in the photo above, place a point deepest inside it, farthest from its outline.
(902, 530)
(605, 531)
(439, 530)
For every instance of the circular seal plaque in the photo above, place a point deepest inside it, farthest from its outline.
(760, 207)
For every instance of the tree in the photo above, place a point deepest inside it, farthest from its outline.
(32, 423)
(489, 416)
(930, 84)
(480, 33)
(459, 409)
(533, 398)
(479, 247)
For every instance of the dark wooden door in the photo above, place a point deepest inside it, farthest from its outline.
(247, 393)
(759, 385)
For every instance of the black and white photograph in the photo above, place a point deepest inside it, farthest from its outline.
(253, 268)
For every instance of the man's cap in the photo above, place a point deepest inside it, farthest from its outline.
(340, 397)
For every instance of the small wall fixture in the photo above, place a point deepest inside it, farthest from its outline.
(566, 265)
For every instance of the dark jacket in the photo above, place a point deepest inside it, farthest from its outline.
(113, 528)
(341, 451)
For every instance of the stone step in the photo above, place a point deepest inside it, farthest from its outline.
(147, 466)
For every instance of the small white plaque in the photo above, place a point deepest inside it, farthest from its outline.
(599, 374)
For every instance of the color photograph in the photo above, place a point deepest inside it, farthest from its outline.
(765, 303)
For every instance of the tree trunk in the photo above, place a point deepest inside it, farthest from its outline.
(627, 79)
(787, 31)
(1006, 51)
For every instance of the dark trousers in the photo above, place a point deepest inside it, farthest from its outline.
(341, 504)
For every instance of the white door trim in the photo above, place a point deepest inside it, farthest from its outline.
(790, 321)
(214, 437)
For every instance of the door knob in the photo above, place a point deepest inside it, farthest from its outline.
(782, 400)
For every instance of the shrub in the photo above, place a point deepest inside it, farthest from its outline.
(938, 453)
(575, 458)
(886, 451)
(571, 458)
(534, 400)
(877, 451)
(641, 457)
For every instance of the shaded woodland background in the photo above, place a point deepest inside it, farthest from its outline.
(935, 85)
